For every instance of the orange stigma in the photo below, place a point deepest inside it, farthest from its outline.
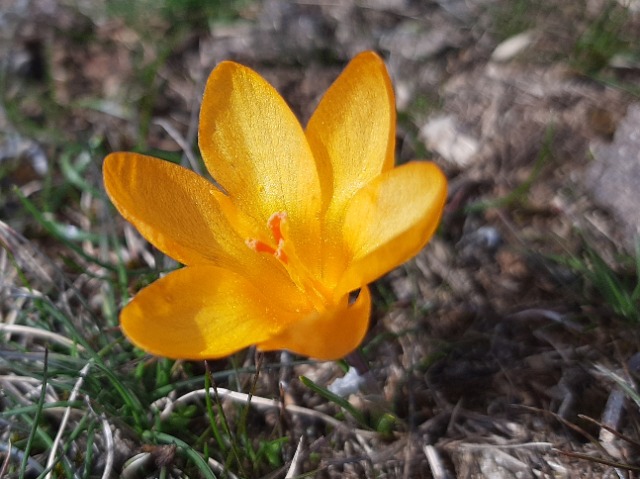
(274, 223)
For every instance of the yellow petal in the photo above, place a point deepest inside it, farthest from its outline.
(331, 334)
(390, 220)
(172, 207)
(352, 132)
(201, 312)
(254, 146)
(188, 218)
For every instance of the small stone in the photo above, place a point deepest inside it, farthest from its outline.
(443, 135)
(613, 178)
(512, 46)
(348, 384)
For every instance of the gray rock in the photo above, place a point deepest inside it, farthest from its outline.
(444, 135)
(613, 178)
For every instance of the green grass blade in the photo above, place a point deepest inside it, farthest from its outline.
(36, 420)
(337, 400)
(191, 453)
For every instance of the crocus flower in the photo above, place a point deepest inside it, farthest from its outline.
(279, 251)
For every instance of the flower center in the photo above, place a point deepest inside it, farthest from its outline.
(284, 251)
(275, 226)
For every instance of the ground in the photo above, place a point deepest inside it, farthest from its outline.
(506, 348)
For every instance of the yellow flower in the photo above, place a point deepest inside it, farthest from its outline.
(301, 220)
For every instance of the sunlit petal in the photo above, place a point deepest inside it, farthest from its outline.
(254, 146)
(352, 132)
(172, 207)
(202, 312)
(390, 220)
(190, 220)
(331, 334)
